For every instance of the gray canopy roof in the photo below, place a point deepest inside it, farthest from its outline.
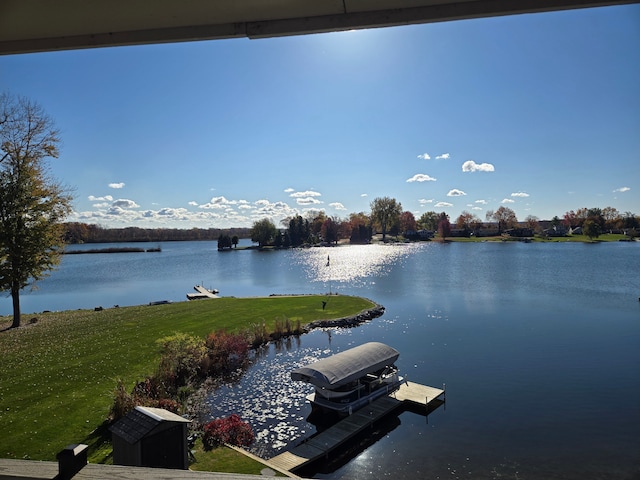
(347, 366)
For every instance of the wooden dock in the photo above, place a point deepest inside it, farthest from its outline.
(322, 444)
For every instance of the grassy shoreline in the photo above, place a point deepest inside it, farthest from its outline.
(59, 373)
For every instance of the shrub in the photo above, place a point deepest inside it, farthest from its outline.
(123, 403)
(226, 352)
(180, 360)
(227, 430)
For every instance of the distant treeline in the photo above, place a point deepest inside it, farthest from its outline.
(86, 233)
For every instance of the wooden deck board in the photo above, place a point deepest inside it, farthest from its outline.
(323, 443)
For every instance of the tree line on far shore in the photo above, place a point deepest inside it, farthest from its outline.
(388, 218)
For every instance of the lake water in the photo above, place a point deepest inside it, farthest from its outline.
(538, 344)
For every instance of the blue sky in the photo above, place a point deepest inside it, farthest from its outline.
(540, 113)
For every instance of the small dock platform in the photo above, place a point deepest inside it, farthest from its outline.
(321, 445)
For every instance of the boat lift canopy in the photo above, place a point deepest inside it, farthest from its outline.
(347, 366)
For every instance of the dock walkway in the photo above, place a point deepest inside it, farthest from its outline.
(323, 443)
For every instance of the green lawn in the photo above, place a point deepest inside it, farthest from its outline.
(58, 375)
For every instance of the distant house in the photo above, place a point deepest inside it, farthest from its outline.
(425, 234)
(151, 437)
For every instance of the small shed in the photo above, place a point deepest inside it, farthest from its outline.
(151, 437)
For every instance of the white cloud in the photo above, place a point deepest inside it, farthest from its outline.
(455, 193)
(193, 204)
(289, 190)
(106, 198)
(520, 194)
(444, 156)
(424, 201)
(421, 177)
(244, 206)
(116, 185)
(471, 166)
(364, 195)
(476, 208)
(219, 203)
(125, 203)
(508, 200)
(308, 201)
(337, 206)
(424, 156)
(622, 189)
(101, 205)
(482, 202)
(443, 204)
(308, 193)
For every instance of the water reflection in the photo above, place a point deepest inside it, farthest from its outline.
(267, 398)
(355, 265)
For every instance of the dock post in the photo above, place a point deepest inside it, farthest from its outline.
(444, 394)
(426, 407)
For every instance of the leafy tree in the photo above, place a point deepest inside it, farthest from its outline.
(224, 241)
(32, 203)
(429, 221)
(263, 232)
(504, 216)
(329, 230)
(299, 231)
(235, 240)
(444, 226)
(611, 218)
(360, 228)
(386, 212)
(408, 222)
(533, 223)
(468, 222)
(591, 228)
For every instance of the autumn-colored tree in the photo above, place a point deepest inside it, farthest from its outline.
(408, 222)
(533, 223)
(385, 212)
(468, 222)
(611, 218)
(444, 226)
(504, 216)
(360, 228)
(32, 203)
(330, 230)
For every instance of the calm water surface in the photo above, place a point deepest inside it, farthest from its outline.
(538, 345)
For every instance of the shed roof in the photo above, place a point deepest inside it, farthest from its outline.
(347, 366)
(141, 421)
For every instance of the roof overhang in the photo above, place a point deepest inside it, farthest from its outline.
(46, 25)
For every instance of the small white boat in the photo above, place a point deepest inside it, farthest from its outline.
(351, 379)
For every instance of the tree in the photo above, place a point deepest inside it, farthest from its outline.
(505, 217)
(360, 228)
(591, 228)
(329, 230)
(386, 213)
(428, 221)
(444, 226)
(235, 240)
(468, 222)
(32, 203)
(533, 223)
(408, 222)
(224, 241)
(263, 232)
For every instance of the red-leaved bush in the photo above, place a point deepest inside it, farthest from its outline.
(227, 430)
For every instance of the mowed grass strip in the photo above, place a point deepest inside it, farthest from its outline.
(57, 375)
